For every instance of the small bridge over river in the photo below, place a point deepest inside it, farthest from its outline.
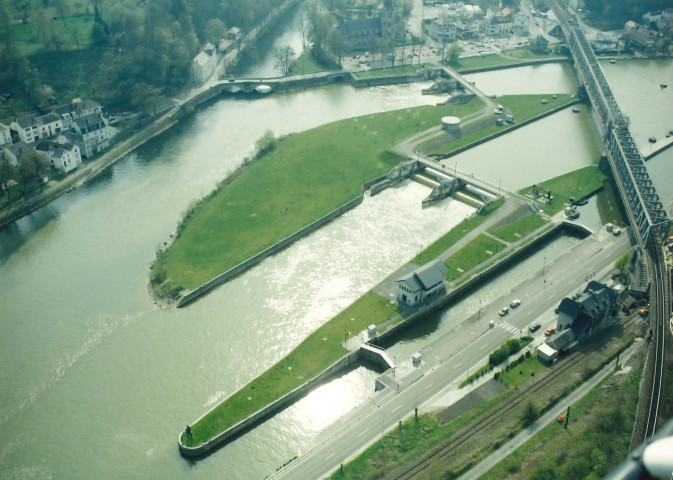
(644, 208)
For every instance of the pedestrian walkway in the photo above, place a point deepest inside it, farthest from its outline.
(496, 457)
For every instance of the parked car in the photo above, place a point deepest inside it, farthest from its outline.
(550, 331)
(616, 231)
(534, 327)
(503, 312)
(515, 303)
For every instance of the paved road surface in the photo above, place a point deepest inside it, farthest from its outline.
(446, 358)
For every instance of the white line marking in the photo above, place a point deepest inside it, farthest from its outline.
(482, 347)
(396, 408)
(330, 455)
(429, 385)
(363, 432)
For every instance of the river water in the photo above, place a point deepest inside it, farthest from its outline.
(97, 381)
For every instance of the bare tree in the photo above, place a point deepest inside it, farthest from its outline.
(304, 30)
(283, 59)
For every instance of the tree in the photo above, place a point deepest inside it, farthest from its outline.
(7, 172)
(32, 167)
(454, 53)
(265, 144)
(303, 28)
(529, 413)
(215, 31)
(283, 59)
(41, 26)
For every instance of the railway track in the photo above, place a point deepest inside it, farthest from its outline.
(659, 310)
(571, 361)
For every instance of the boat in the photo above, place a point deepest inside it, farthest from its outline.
(653, 139)
(576, 110)
(613, 61)
(263, 89)
(68, 190)
(669, 134)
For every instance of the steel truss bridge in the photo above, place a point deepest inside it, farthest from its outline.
(644, 208)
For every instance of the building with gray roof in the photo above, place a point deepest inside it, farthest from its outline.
(583, 312)
(421, 283)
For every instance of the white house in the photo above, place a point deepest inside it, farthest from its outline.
(5, 135)
(421, 283)
(31, 128)
(91, 133)
(204, 64)
(61, 154)
(27, 127)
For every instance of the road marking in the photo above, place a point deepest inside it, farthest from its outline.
(429, 385)
(551, 296)
(363, 432)
(330, 455)
(396, 408)
(482, 347)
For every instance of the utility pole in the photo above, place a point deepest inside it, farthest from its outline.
(567, 418)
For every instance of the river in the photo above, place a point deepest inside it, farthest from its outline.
(97, 381)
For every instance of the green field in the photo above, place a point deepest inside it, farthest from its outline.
(578, 184)
(487, 61)
(306, 64)
(472, 255)
(455, 234)
(320, 350)
(523, 108)
(305, 177)
(517, 229)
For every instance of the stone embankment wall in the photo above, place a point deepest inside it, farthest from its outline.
(261, 415)
(277, 247)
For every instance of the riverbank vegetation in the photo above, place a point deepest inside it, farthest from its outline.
(305, 177)
(321, 349)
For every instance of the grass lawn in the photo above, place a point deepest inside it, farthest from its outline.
(472, 255)
(390, 72)
(487, 61)
(521, 372)
(578, 183)
(77, 29)
(320, 350)
(516, 230)
(523, 107)
(305, 177)
(455, 234)
(306, 64)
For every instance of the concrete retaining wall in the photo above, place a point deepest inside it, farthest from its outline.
(261, 415)
(275, 248)
(514, 65)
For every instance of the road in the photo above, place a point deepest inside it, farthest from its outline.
(448, 358)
